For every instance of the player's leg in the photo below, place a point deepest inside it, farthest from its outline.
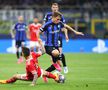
(57, 65)
(64, 63)
(54, 54)
(56, 60)
(18, 45)
(32, 45)
(62, 58)
(54, 66)
(14, 78)
(37, 46)
(50, 75)
(17, 49)
(21, 44)
(22, 77)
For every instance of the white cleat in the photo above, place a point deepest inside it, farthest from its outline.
(65, 70)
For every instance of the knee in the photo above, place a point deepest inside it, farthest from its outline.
(55, 53)
(15, 75)
(44, 73)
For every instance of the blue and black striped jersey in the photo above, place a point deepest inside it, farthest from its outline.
(48, 17)
(20, 31)
(52, 32)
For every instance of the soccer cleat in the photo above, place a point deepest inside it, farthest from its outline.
(45, 79)
(2, 81)
(20, 60)
(65, 70)
(57, 66)
(57, 77)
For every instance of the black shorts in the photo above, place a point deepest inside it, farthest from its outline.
(49, 49)
(19, 43)
(60, 42)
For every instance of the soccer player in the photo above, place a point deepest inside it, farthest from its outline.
(19, 34)
(48, 17)
(33, 31)
(52, 29)
(33, 70)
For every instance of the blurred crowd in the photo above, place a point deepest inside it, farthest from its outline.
(78, 13)
(61, 2)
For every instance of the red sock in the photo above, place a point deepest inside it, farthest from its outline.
(50, 75)
(11, 80)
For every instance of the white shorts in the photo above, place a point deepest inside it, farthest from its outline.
(34, 44)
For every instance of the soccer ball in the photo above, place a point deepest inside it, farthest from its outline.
(61, 78)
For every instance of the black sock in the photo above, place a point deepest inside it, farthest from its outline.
(63, 60)
(51, 68)
(60, 57)
(20, 53)
(17, 54)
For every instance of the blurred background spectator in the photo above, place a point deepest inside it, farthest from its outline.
(88, 16)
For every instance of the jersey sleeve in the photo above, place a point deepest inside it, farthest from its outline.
(43, 28)
(45, 18)
(63, 19)
(62, 24)
(36, 55)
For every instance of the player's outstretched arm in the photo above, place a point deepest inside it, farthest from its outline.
(76, 32)
(66, 34)
(12, 33)
(42, 46)
(28, 32)
(41, 43)
(34, 79)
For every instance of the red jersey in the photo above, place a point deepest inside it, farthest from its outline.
(32, 65)
(35, 56)
(34, 31)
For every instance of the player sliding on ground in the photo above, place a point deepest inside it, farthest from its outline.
(33, 71)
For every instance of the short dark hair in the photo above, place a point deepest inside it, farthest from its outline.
(56, 4)
(25, 51)
(55, 14)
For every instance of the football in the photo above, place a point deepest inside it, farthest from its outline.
(61, 78)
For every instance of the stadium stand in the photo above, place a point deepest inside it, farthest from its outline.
(78, 14)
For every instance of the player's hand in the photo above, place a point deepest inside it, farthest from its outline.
(67, 39)
(32, 84)
(79, 33)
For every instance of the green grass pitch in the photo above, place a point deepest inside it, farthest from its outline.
(87, 71)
